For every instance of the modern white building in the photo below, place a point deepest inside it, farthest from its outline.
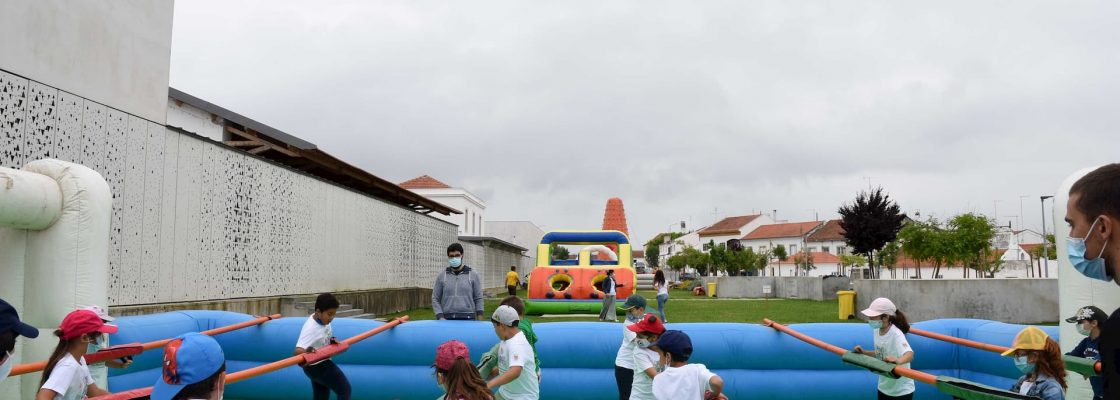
(732, 228)
(472, 208)
(522, 233)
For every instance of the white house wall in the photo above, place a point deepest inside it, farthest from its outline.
(194, 220)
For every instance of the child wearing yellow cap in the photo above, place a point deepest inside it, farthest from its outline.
(1039, 358)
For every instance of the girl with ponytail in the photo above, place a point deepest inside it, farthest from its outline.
(890, 326)
(458, 376)
(67, 376)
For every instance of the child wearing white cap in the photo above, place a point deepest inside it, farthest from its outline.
(890, 326)
(517, 376)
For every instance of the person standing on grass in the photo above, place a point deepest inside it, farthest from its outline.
(890, 326)
(512, 280)
(1093, 215)
(610, 291)
(624, 360)
(662, 287)
(457, 293)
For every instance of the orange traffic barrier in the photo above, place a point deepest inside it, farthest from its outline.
(899, 370)
(305, 358)
(92, 359)
(973, 344)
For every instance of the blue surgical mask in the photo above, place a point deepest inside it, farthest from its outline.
(1024, 365)
(1094, 268)
(455, 262)
(1084, 332)
(875, 324)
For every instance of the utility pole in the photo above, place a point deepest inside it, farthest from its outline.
(1021, 215)
(1045, 240)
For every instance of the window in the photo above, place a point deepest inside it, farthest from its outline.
(813, 249)
(825, 249)
(792, 248)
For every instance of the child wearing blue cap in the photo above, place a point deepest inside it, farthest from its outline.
(11, 328)
(681, 380)
(194, 367)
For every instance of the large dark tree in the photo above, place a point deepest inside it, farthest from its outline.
(870, 222)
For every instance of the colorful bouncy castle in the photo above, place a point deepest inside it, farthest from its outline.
(574, 285)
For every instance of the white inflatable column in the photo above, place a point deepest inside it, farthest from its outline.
(54, 250)
(1075, 290)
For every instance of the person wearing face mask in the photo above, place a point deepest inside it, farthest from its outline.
(624, 360)
(1093, 215)
(646, 361)
(1088, 320)
(100, 371)
(66, 376)
(890, 326)
(10, 328)
(457, 292)
(1037, 356)
(194, 368)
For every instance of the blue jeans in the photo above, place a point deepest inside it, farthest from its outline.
(325, 378)
(661, 300)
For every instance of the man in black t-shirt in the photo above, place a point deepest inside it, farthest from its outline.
(1093, 214)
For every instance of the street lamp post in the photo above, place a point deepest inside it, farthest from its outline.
(1045, 240)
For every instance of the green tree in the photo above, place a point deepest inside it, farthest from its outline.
(971, 243)
(888, 256)
(677, 262)
(849, 261)
(804, 262)
(653, 247)
(780, 254)
(870, 222)
(560, 252)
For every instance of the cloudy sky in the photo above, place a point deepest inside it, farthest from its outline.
(686, 110)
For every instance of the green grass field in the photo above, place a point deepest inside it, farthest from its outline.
(684, 307)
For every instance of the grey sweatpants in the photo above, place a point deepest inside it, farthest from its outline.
(608, 313)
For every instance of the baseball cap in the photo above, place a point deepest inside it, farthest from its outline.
(1030, 338)
(635, 300)
(101, 313)
(505, 315)
(82, 322)
(188, 359)
(1089, 313)
(879, 307)
(675, 342)
(9, 320)
(448, 352)
(649, 323)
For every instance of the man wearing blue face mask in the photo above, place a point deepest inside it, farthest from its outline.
(1093, 215)
(457, 293)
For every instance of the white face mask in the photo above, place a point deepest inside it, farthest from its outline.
(6, 367)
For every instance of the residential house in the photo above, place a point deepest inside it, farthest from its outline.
(790, 235)
(731, 228)
(829, 238)
(472, 207)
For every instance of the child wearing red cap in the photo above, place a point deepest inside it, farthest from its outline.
(456, 374)
(67, 376)
(648, 329)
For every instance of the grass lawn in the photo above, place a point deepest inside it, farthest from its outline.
(684, 307)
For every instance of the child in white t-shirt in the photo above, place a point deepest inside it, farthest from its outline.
(517, 377)
(66, 376)
(890, 326)
(325, 375)
(681, 380)
(648, 330)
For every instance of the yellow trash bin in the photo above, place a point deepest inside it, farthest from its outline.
(712, 289)
(847, 300)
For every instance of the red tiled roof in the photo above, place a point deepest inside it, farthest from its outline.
(424, 182)
(638, 253)
(819, 257)
(792, 229)
(728, 226)
(831, 230)
(1029, 247)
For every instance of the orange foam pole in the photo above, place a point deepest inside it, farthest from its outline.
(956, 340)
(901, 371)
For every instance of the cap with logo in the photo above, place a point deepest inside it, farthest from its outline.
(1091, 313)
(188, 359)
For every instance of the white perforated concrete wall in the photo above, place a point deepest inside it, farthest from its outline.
(193, 220)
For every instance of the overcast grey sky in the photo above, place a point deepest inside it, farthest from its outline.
(686, 110)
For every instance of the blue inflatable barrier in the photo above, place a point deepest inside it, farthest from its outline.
(577, 358)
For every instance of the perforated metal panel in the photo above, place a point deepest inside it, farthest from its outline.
(193, 220)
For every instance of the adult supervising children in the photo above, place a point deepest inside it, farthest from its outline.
(610, 291)
(457, 293)
(1093, 215)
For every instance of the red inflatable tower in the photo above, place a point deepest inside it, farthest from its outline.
(614, 219)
